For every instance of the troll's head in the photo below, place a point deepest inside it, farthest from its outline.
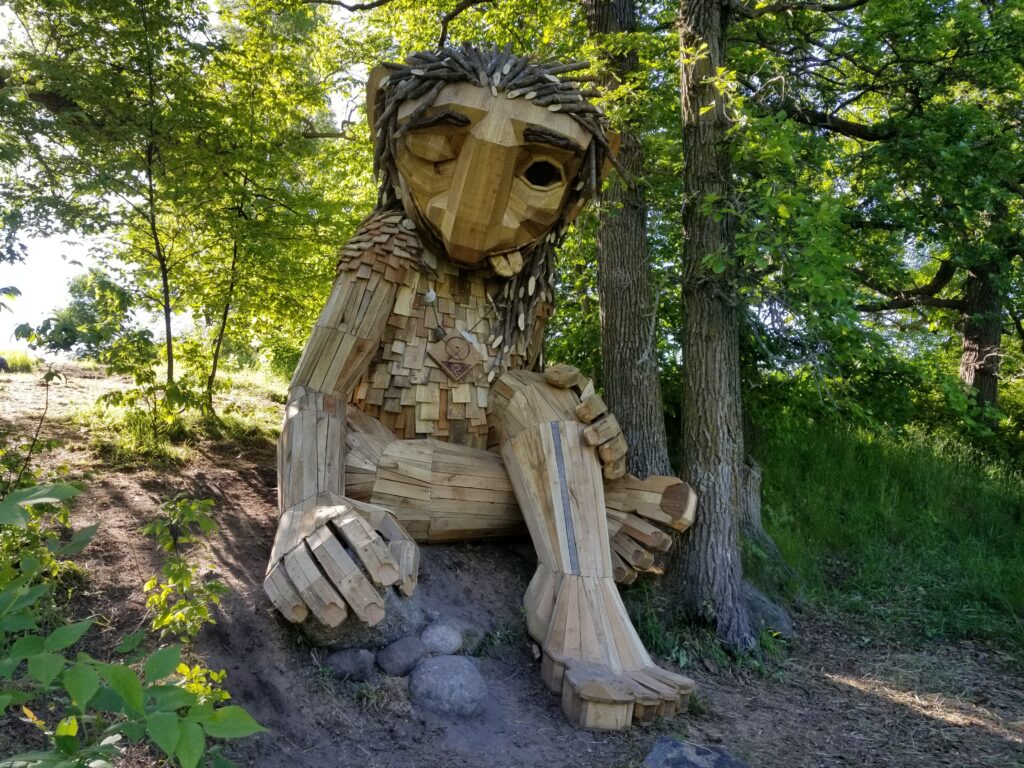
(492, 152)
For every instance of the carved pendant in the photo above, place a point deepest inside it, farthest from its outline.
(455, 354)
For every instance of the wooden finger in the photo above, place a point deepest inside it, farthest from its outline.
(613, 470)
(283, 595)
(591, 408)
(602, 430)
(615, 448)
(317, 592)
(374, 554)
(562, 375)
(341, 569)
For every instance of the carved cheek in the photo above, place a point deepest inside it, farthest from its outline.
(534, 210)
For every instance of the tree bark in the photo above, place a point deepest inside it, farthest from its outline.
(982, 334)
(628, 305)
(705, 571)
(219, 341)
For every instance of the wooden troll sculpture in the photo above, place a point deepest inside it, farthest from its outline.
(414, 413)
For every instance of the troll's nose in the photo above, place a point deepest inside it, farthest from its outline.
(472, 215)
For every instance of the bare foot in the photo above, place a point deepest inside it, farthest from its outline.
(593, 656)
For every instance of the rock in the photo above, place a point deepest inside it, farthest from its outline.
(401, 656)
(442, 638)
(669, 753)
(764, 614)
(403, 616)
(351, 664)
(448, 685)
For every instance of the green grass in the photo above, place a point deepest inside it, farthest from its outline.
(248, 406)
(18, 361)
(922, 538)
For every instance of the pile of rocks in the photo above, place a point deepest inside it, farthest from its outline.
(440, 680)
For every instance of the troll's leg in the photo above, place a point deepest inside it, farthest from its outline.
(592, 654)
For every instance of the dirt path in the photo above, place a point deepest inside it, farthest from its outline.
(838, 699)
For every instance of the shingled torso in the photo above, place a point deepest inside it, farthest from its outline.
(405, 387)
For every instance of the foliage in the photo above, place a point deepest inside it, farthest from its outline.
(181, 601)
(88, 706)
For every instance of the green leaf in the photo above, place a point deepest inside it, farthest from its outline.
(107, 700)
(81, 681)
(42, 494)
(166, 697)
(12, 514)
(191, 745)
(124, 680)
(231, 723)
(217, 760)
(18, 623)
(67, 727)
(79, 541)
(66, 636)
(44, 667)
(26, 646)
(66, 735)
(131, 641)
(162, 663)
(783, 211)
(164, 728)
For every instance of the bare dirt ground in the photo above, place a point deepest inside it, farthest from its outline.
(839, 698)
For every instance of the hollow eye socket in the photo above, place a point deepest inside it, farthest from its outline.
(542, 173)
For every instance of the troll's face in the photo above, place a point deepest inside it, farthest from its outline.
(487, 173)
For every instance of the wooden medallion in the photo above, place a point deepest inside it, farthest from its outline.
(455, 354)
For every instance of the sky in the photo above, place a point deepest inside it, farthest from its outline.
(43, 281)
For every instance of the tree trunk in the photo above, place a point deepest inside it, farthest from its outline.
(706, 572)
(219, 341)
(628, 307)
(982, 334)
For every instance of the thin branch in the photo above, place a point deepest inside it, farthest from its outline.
(453, 14)
(912, 301)
(349, 6)
(747, 12)
(818, 119)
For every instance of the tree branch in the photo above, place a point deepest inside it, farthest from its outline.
(369, 6)
(818, 119)
(453, 14)
(921, 295)
(747, 12)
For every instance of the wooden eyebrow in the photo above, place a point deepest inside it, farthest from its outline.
(545, 136)
(445, 117)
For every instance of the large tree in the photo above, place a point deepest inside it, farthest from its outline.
(628, 306)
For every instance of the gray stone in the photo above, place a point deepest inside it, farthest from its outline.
(669, 753)
(401, 656)
(764, 614)
(448, 685)
(351, 664)
(442, 638)
(403, 616)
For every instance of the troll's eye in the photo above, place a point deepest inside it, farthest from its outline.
(542, 173)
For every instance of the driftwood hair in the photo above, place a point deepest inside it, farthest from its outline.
(546, 84)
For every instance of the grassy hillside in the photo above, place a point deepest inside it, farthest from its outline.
(926, 538)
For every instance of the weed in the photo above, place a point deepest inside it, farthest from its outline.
(181, 601)
(373, 699)
(18, 361)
